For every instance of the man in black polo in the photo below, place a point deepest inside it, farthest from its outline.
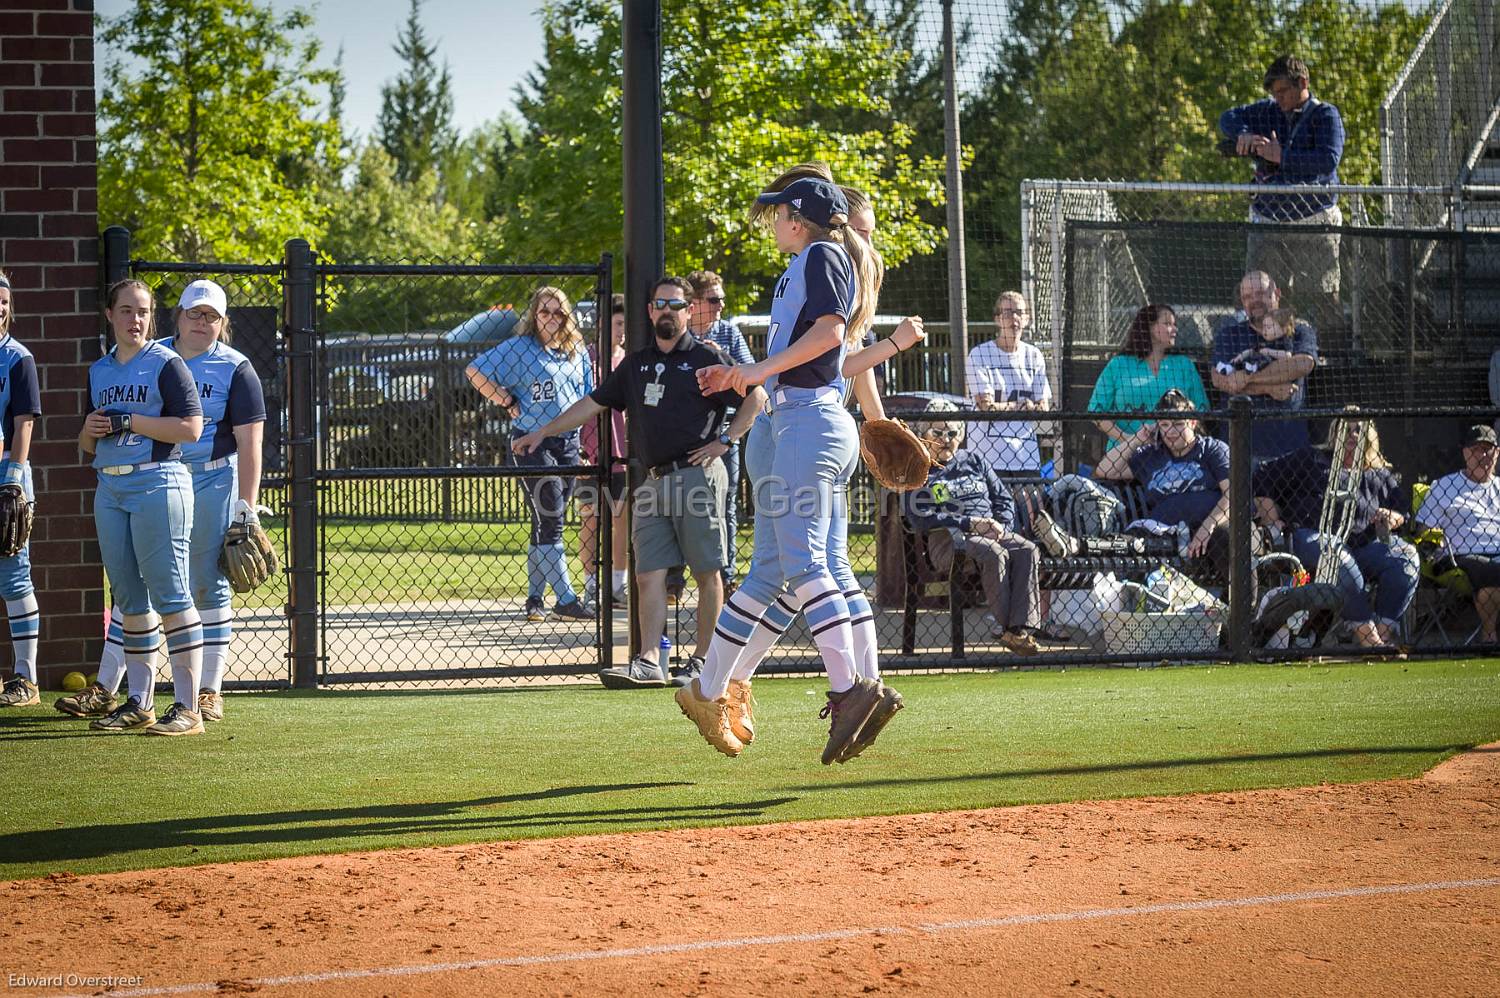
(677, 516)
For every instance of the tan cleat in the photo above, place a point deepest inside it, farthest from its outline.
(1020, 642)
(130, 716)
(19, 691)
(847, 713)
(211, 705)
(91, 701)
(890, 702)
(711, 717)
(178, 720)
(741, 710)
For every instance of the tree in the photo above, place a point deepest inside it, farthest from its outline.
(208, 129)
(747, 90)
(416, 109)
(472, 172)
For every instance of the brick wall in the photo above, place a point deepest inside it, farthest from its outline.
(49, 245)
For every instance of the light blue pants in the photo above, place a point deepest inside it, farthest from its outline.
(816, 446)
(15, 571)
(144, 520)
(214, 493)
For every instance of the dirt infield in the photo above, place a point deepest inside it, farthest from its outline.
(1378, 888)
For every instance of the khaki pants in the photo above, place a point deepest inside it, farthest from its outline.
(1007, 570)
(1305, 267)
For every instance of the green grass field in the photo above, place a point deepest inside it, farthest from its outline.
(296, 773)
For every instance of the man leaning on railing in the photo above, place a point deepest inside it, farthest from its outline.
(1294, 138)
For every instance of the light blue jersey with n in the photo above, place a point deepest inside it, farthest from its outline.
(544, 381)
(819, 281)
(230, 393)
(155, 382)
(19, 393)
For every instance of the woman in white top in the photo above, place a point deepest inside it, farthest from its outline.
(1006, 374)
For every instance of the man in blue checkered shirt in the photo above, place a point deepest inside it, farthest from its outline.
(706, 321)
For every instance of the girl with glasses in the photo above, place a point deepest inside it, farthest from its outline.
(1008, 375)
(535, 376)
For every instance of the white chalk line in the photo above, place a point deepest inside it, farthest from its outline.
(964, 925)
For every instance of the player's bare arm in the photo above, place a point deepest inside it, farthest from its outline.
(905, 336)
(823, 336)
(577, 414)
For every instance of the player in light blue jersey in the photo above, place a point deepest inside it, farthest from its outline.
(535, 376)
(823, 301)
(145, 410)
(20, 404)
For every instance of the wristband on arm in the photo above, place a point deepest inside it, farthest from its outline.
(119, 422)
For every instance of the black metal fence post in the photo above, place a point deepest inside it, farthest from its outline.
(1240, 607)
(298, 292)
(604, 321)
(116, 254)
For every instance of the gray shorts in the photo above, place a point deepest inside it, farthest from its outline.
(679, 519)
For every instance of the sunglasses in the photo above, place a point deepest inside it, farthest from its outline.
(543, 310)
(712, 299)
(945, 434)
(204, 315)
(675, 304)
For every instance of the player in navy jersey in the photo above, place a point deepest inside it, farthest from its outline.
(535, 376)
(825, 298)
(20, 404)
(741, 641)
(145, 409)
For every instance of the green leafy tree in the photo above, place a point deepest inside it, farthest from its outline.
(209, 128)
(416, 109)
(473, 171)
(747, 90)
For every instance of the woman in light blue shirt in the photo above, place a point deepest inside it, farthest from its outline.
(1143, 371)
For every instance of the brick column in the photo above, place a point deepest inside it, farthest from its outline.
(49, 238)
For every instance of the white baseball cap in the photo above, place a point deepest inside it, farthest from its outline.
(204, 293)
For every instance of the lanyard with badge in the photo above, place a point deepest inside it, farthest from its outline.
(656, 389)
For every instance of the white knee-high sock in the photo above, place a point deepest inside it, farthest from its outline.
(141, 641)
(778, 617)
(25, 628)
(737, 621)
(112, 662)
(828, 620)
(185, 651)
(866, 642)
(218, 627)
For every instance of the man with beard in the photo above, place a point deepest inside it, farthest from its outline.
(678, 513)
(1267, 359)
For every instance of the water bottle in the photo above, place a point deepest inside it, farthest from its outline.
(666, 650)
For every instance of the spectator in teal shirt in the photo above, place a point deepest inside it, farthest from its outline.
(1143, 372)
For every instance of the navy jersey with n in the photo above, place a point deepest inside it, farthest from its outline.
(819, 282)
(155, 382)
(19, 394)
(230, 393)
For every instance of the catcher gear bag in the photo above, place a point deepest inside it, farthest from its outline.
(15, 520)
(1083, 509)
(897, 457)
(248, 558)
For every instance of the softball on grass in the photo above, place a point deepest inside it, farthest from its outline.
(93, 677)
(74, 681)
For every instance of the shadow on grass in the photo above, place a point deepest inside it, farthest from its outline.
(223, 830)
(1145, 765)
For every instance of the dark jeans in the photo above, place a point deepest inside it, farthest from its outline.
(731, 512)
(547, 498)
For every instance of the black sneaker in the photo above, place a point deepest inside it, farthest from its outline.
(536, 611)
(684, 674)
(639, 674)
(847, 713)
(572, 611)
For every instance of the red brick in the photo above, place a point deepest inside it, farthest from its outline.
(59, 199)
(40, 151)
(56, 552)
(72, 276)
(88, 249)
(66, 175)
(20, 126)
(17, 23)
(65, 602)
(32, 49)
(72, 478)
(75, 25)
(17, 74)
(36, 250)
(19, 226)
(63, 527)
(38, 99)
(60, 427)
(93, 602)
(57, 377)
(23, 277)
(70, 225)
(54, 351)
(54, 452)
(85, 150)
(68, 74)
(18, 176)
(83, 49)
(68, 125)
(72, 503)
(84, 101)
(50, 300)
(40, 5)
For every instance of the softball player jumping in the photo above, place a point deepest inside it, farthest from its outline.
(20, 404)
(827, 292)
(145, 410)
(535, 376)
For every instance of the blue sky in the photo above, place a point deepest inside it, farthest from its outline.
(489, 45)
